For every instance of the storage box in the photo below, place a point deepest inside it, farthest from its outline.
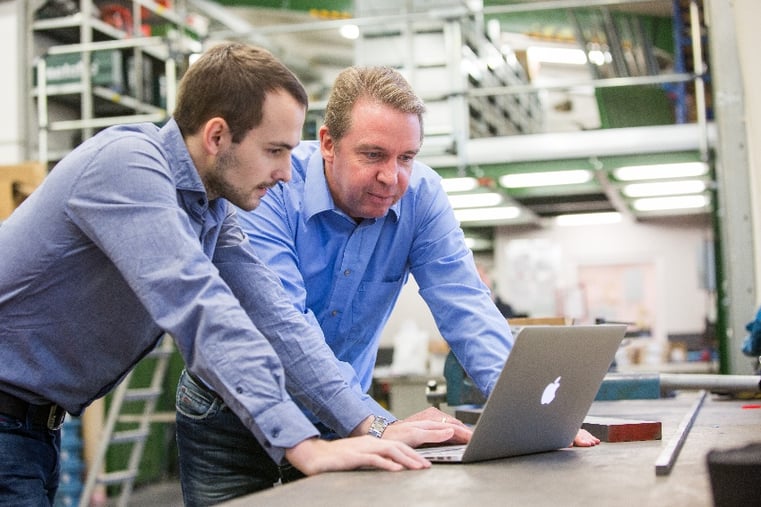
(107, 69)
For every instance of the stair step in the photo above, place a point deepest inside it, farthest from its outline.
(121, 437)
(118, 477)
(160, 352)
(144, 394)
(156, 417)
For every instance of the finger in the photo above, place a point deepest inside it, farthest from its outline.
(461, 435)
(421, 436)
(435, 436)
(435, 415)
(396, 457)
(585, 439)
(379, 462)
(585, 442)
(408, 457)
(456, 422)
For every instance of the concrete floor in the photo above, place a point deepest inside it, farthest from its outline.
(163, 494)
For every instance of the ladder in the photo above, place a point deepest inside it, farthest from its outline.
(138, 421)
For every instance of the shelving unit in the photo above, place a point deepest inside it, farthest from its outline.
(108, 63)
(451, 62)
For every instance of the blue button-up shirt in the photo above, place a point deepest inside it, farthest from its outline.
(120, 244)
(347, 276)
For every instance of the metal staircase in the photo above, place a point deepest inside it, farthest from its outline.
(622, 37)
(632, 59)
(131, 412)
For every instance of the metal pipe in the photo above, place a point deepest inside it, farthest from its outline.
(733, 383)
(566, 84)
(668, 456)
(558, 4)
(699, 70)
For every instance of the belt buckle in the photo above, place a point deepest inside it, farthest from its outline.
(56, 416)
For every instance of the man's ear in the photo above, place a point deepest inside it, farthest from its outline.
(327, 145)
(216, 135)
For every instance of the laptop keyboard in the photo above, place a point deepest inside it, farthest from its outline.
(443, 453)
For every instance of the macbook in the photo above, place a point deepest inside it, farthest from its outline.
(545, 390)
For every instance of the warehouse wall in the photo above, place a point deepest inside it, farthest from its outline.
(540, 271)
(656, 273)
(747, 14)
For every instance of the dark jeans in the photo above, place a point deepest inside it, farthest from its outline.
(219, 457)
(29, 463)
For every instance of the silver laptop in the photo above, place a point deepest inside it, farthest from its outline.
(547, 385)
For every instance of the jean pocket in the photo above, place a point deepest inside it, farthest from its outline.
(194, 401)
(8, 423)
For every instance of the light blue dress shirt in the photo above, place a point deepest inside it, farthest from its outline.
(346, 276)
(120, 244)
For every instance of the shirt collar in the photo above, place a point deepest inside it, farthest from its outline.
(188, 182)
(182, 166)
(318, 199)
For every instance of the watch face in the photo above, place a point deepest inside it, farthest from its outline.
(378, 426)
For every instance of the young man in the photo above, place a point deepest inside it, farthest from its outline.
(133, 235)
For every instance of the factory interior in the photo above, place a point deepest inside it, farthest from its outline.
(600, 157)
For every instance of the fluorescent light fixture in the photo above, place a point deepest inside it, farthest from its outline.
(546, 178)
(612, 217)
(475, 200)
(661, 171)
(350, 32)
(545, 54)
(487, 214)
(659, 188)
(670, 203)
(463, 184)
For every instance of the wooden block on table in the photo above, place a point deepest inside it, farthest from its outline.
(609, 429)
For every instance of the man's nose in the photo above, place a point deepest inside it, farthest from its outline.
(283, 173)
(389, 173)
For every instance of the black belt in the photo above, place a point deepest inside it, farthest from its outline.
(50, 415)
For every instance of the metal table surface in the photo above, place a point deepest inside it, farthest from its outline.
(620, 474)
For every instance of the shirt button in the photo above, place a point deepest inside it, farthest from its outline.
(275, 433)
(347, 272)
(334, 313)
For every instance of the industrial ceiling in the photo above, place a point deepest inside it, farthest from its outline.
(582, 128)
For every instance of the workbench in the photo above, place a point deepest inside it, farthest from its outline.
(620, 474)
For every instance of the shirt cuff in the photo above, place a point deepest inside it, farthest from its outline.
(281, 427)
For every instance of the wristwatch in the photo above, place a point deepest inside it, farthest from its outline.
(378, 426)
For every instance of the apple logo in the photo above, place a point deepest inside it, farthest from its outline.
(549, 392)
